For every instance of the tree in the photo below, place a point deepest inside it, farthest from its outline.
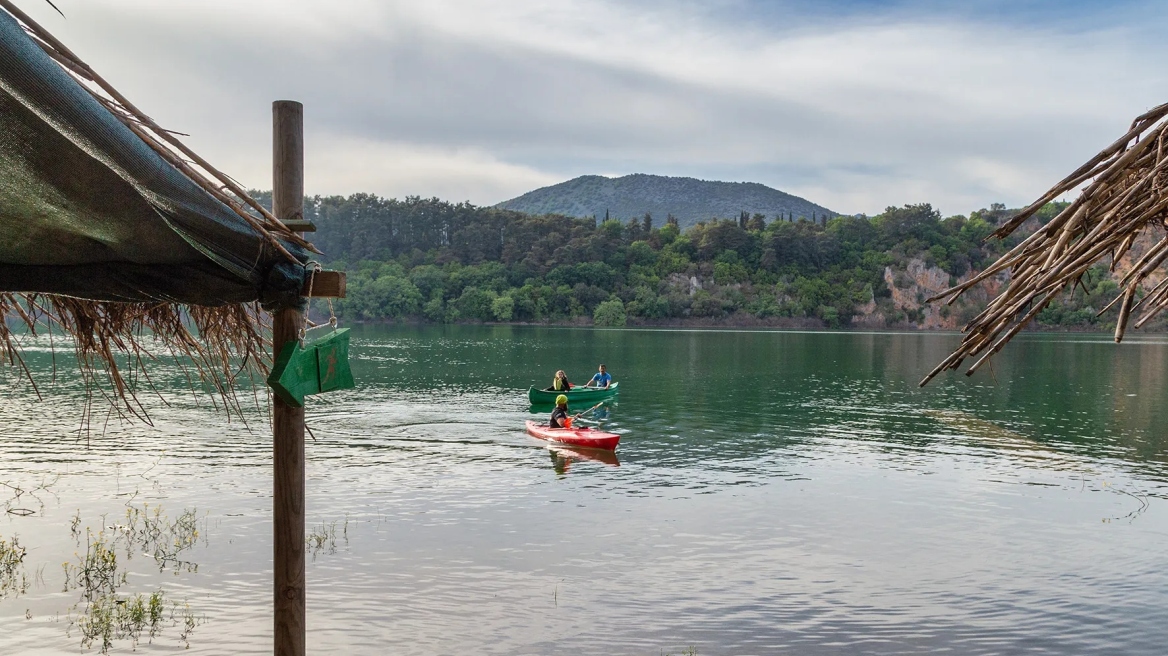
(919, 221)
(610, 313)
(444, 262)
(706, 305)
(475, 303)
(718, 236)
(503, 307)
(640, 252)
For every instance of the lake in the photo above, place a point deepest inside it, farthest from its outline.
(775, 492)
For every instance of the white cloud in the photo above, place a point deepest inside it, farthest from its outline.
(470, 99)
(341, 165)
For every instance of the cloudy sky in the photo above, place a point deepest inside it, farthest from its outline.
(855, 105)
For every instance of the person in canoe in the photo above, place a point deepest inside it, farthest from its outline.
(601, 380)
(560, 417)
(560, 382)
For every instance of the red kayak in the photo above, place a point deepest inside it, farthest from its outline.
(588, 438)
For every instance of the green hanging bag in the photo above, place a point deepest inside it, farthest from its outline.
(307, 368)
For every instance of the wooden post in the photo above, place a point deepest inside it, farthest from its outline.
(288, 421)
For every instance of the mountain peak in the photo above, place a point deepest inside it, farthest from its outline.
(689, 199)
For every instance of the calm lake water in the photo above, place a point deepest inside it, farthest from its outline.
(776, 492)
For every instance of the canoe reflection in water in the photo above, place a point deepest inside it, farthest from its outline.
(563, 457)
(599, 414)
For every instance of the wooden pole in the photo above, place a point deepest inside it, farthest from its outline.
(288, 421)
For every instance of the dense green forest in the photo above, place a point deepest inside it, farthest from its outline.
(431, 260)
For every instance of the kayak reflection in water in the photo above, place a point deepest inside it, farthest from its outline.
(560, 418)
(560, 463)
(563, 457)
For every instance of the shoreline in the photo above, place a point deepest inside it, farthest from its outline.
(803, 324)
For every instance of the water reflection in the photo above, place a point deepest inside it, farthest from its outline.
(774, 493)
(564, 456)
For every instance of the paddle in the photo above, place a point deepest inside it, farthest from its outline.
(577, 415)
(584, 412)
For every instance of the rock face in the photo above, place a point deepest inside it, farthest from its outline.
(912, 286)
(923, 282)
(910, 289)
(689, 199)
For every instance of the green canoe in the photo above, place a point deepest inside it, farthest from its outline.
(576, 395)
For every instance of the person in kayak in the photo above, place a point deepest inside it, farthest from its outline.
(560, 382)
(601, 380)
(560, 418)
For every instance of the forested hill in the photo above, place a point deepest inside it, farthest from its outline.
(688, 199)
(430, 260)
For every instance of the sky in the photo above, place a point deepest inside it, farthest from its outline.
(856, 105)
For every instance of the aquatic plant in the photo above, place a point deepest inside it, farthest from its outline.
(96, 573)
(20, 497)
(110, 618)
(155, 535)
(13, 580)
(147, 531)
(104, 615)
(323, 538)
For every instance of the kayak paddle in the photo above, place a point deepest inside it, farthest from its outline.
(588, 410)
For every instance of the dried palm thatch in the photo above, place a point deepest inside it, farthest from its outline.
(115, 340)
(1126, 195)
(114, 343)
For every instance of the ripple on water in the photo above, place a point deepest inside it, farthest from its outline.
(766, 499)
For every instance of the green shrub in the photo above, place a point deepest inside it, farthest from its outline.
(706, 305)
(434, 310)
(503, 307)
(475, 303)
(610, 314)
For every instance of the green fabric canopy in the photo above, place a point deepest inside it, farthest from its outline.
(87, 209)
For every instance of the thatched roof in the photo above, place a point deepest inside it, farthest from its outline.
(117, 233)
(1124, 195)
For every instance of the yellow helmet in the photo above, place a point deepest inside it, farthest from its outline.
(562, 400)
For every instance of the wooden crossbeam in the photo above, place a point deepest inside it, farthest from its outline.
(300, 225)
(326, 284)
